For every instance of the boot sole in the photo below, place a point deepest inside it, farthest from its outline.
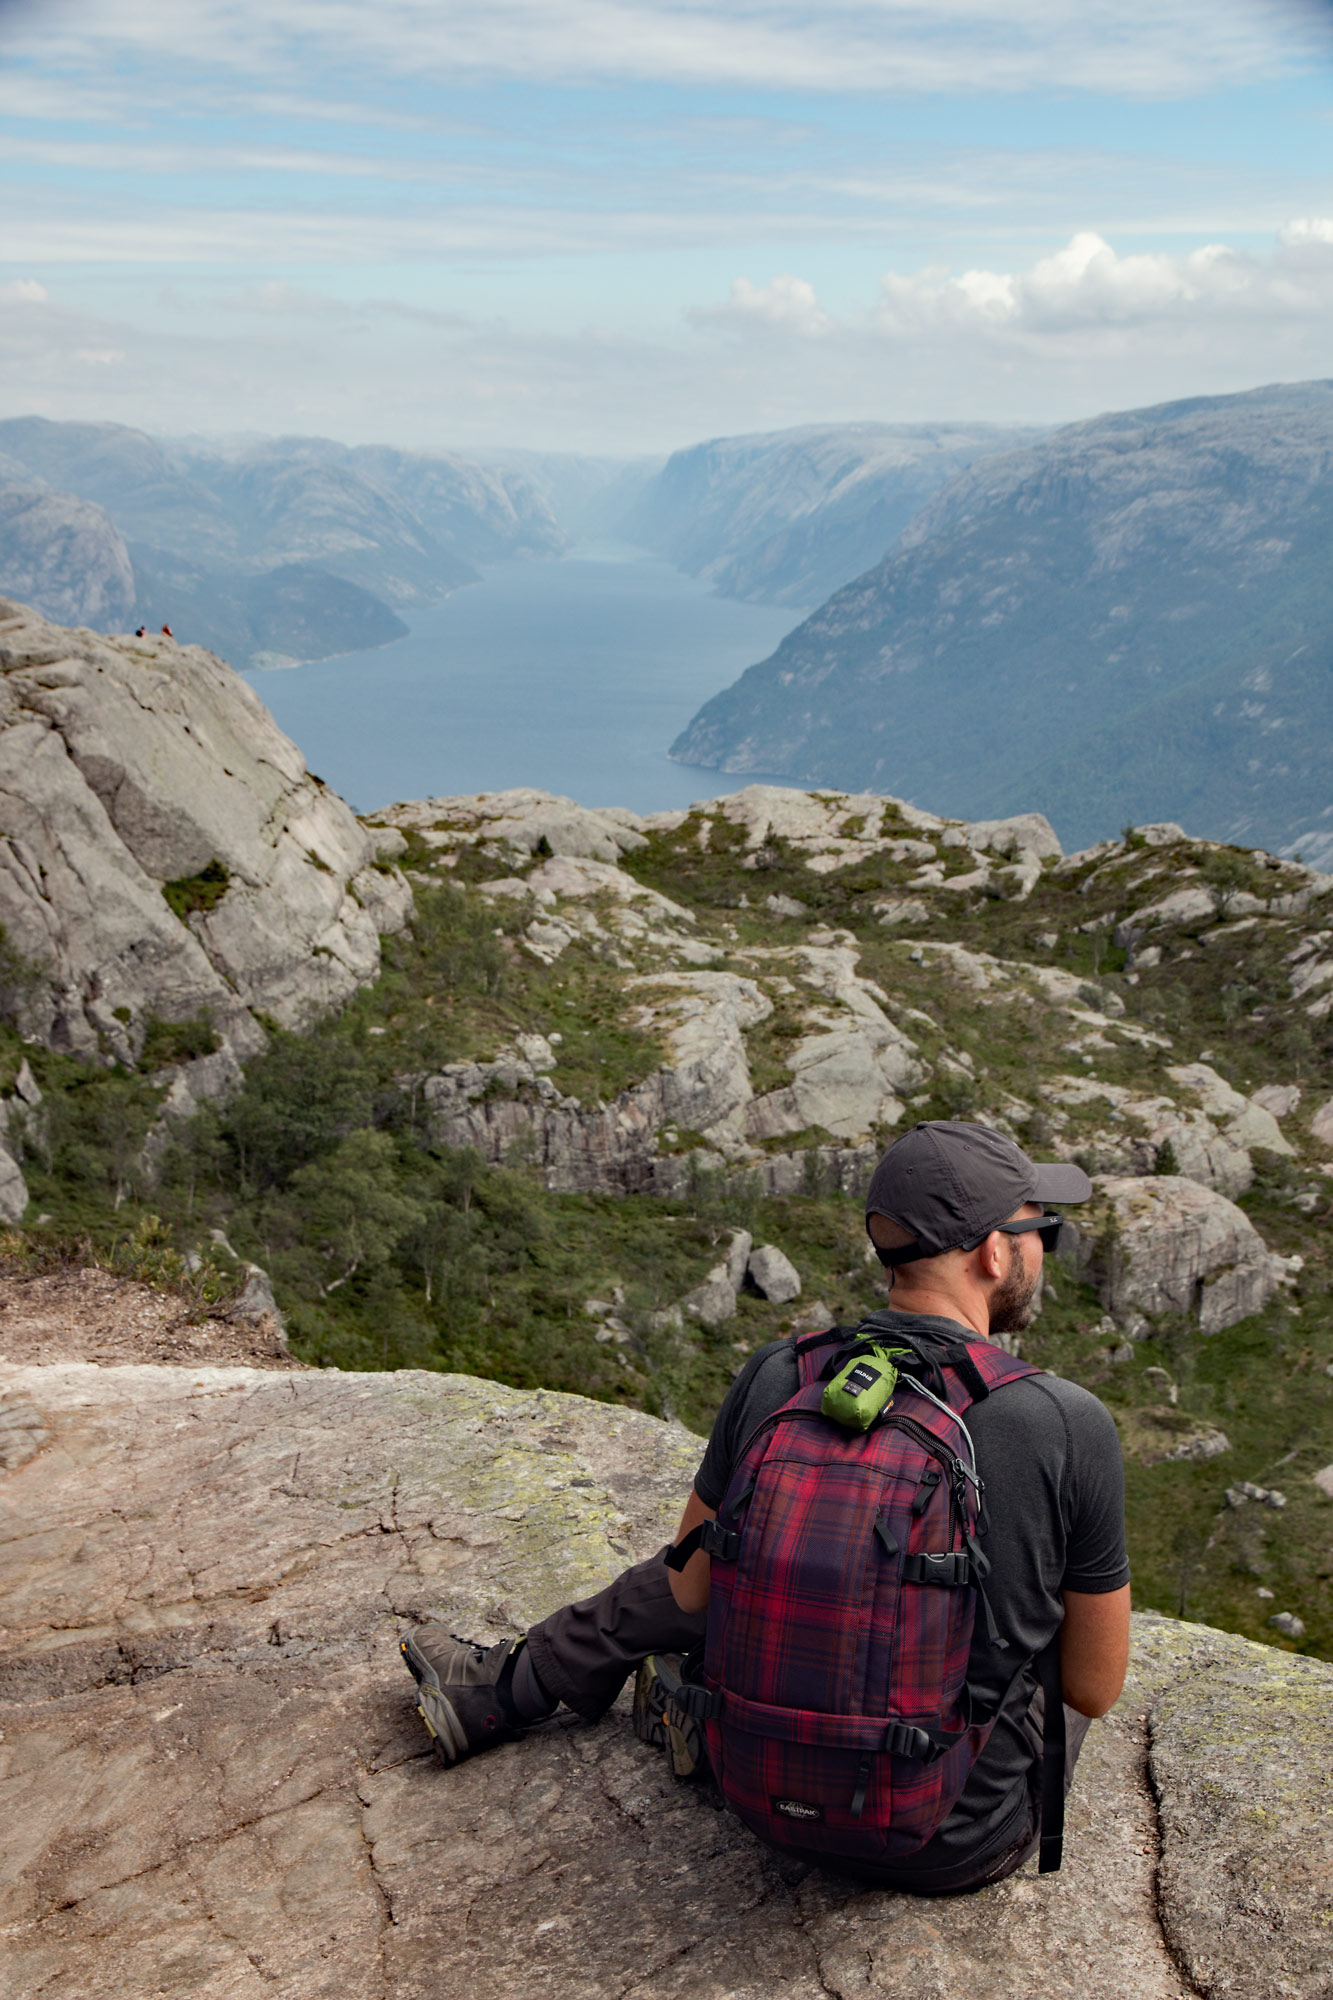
(660, 1724)
(650, 1722)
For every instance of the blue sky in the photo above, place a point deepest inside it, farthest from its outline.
(621, 225)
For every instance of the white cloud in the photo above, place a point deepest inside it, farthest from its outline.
(24, 291)
(1079, 329)
(1088, 286)
(1307, 229)
(1135, 47)
(788, 304)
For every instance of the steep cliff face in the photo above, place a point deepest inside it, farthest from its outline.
(786, 517)
(1130, 618)
(165, 852)
(215, 1780)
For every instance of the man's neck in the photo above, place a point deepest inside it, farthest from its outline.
(964, 1309)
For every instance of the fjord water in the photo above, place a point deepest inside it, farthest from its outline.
(573, 676)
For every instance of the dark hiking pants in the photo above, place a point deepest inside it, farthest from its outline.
(584, 1653)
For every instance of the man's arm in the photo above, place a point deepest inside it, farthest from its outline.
(689, 1586)
(1094, 1648)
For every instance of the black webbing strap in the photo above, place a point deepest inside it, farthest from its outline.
(1052, 1759)
(724, 1543)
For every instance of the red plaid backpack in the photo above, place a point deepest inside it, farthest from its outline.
(844, 1582)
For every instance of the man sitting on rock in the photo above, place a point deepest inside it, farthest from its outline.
(956, 1213)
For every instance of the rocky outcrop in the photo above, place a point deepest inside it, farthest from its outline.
(217, 1783)
(61, 553)
(136, 770)
(1163, 1244)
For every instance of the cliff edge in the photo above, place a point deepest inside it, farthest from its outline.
(165, 854)
(214, 1779)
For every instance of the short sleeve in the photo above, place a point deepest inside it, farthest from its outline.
(763, 1385)
(1096, 1558)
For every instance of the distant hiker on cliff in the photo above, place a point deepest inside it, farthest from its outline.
(900, 1584)
(167, 632)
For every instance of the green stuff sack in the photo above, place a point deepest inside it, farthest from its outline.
(860, 1390)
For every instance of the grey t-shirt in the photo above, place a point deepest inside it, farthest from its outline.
(1049, 1457)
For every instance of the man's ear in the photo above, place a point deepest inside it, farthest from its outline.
(991, 1255)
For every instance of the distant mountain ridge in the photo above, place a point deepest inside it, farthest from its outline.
(287, 547)
(1131, 618)
(786, 517)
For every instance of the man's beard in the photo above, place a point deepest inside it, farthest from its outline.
(1011, 1304)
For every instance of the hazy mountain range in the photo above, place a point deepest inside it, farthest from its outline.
(290, 546)
(1126, 618)
(1131, 618)
(786, 517)
(300, 547)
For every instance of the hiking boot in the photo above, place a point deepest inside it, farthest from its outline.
(662, 1723)
(464, 1688)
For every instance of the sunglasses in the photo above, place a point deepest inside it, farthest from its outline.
(1048, 1227)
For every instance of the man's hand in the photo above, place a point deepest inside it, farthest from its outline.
(1094, 1648)
(689, 1586)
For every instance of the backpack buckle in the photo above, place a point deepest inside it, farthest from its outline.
(701, 1704)
(954, 1570)
(724, 1543)
(906, 1739)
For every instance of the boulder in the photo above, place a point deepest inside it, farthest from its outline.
(1164, 1244)
(127, 764)
(1321, 1125)
(1191, 905)
(773, 1275)
(216, 1783)
(1279, 1098)
(255, 1304)
(1245, 1121)
(1022, 836)
(715, 1299)
(13, 1187)
(206, 1080)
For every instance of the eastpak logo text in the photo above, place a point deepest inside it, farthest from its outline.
(797, 1809)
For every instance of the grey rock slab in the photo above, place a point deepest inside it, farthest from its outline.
(214, 1781)
(1240, 1765)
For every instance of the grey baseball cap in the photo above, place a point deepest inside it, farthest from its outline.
(950, 1184)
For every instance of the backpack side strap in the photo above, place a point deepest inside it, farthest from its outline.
(1052, 1759)
(712, 1538)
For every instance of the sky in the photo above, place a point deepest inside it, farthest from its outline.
(620, 226)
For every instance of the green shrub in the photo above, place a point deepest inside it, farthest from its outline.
(167, 1042)
(203, 891)
(302, 1096)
